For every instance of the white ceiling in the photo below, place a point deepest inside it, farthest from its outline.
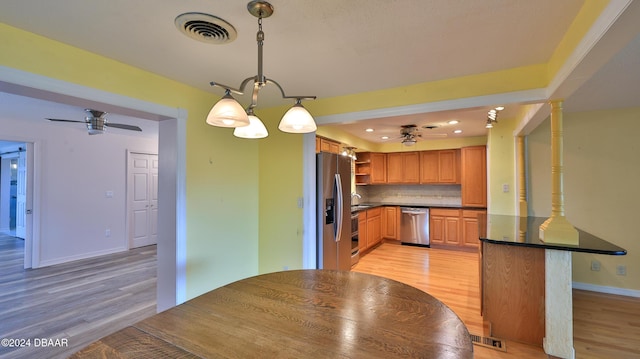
(335, 47)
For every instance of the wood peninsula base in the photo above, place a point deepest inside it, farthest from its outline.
(513, 275)
(513, 292)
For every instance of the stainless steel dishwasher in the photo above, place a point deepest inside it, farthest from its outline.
(414, 226)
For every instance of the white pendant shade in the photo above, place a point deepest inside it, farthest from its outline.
(227, 113)
(256, 129)
(297, 120)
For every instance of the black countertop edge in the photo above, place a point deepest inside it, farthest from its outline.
(369, 205)
(561, 247)
(527, 230)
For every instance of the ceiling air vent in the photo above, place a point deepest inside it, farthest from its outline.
(206, 28)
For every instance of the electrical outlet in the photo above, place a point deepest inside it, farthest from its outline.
(505, 188)
(595, 265)
(107, 232)
(621, 270)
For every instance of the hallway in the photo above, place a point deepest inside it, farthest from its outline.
(80, 301)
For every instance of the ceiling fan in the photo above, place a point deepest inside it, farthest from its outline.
(410, 134)
(96, 122)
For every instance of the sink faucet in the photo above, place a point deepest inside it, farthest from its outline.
(354, 194)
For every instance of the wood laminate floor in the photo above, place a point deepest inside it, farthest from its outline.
(74, 303)
(88, 299)
(605, 325)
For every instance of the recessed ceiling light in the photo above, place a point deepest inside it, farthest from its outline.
(385, 137)
(457, 131)
(453, 122)
(369, 130)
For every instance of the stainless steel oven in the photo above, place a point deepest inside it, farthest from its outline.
(355, 250)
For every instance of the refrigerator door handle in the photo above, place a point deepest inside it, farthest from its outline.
(339, 207)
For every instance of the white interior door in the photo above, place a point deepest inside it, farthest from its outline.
(142, 193)
(21, 194)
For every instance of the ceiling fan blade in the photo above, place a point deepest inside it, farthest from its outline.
(434, 135)
(63, 120)
(123, 126)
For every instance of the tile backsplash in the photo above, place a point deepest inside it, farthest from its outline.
(449, 195)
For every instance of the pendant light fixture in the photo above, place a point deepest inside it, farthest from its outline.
(227, 112)
(256, 128)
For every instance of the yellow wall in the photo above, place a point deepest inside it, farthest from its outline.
(600, 184)
(242, 215)
(517, 79)
(281, 224)
(501, 167)
(222, 172)
(347, 139)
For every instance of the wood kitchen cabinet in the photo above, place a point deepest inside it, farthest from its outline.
(473, 180)
(378, 168)
(327, 145)
(403, 167)
(362, 170)
(440, 166)
(444, 226)
(374, 226)
(371, 168)
(470, 234)
(390, 222)
(362, 231)
(369, 228)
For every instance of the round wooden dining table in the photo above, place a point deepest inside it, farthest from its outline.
(297, 314)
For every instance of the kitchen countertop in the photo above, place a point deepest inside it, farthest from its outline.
(369, 205)
(524, 231)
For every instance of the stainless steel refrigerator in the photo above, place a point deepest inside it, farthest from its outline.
(334, 211)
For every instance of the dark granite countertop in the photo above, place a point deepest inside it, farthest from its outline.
(368, 205)
(524, 231)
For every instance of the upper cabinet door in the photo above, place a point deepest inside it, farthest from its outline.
(394, 167)
(411, 167)
(403, 167)
(378, 168)
(440, 166)
(474, 176)
(449, 166)
(429, 167)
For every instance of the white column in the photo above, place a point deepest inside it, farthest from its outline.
(558, 339)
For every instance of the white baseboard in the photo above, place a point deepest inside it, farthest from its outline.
(55, 261)
(606, 289)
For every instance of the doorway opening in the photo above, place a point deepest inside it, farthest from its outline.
(13, 191)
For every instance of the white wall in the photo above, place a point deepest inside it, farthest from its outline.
(75, 170)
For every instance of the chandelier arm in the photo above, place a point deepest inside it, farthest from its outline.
(254, 95)
(236, 91)
(270, 81)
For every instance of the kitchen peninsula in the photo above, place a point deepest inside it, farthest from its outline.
(512, 274)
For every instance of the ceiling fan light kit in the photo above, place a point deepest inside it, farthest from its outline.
(228, 112)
